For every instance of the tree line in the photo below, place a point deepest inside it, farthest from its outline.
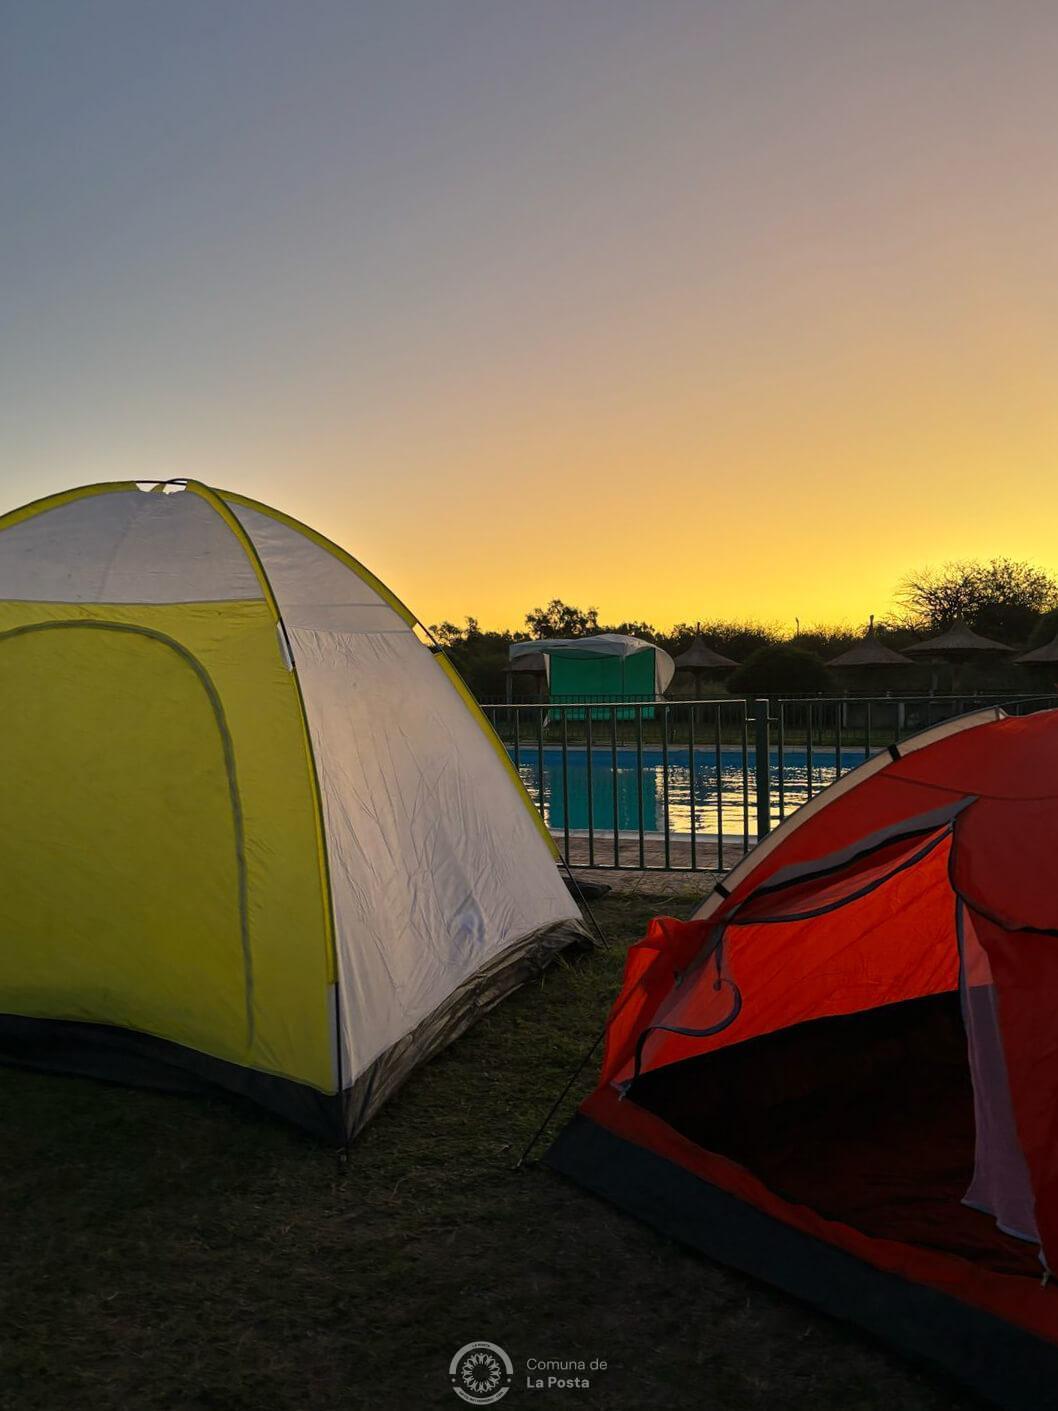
(1008, 600)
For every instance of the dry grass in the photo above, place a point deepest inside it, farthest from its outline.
(171, 1254)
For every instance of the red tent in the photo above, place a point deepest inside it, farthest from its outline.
(842, 1074)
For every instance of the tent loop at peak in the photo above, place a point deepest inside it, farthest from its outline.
(161, 487)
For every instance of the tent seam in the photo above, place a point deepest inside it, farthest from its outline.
(405, 613)
(217, 504)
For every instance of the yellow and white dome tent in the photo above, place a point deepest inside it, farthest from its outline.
(254, 832)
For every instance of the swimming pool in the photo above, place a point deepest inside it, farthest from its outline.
(723, 799)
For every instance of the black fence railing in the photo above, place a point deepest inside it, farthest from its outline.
(690, 785)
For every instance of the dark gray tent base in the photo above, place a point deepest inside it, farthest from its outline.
(995, 1358)
(136, 1059)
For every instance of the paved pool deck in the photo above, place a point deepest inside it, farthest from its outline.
(655, 878)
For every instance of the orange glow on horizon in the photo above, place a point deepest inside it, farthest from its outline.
(679, 311)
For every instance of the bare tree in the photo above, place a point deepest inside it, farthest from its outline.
(1002, 598)
(447, 633)
(645, 630)
(561, 619)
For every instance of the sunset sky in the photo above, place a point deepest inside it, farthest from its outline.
(681, 309)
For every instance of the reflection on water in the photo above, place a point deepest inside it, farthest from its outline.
(730, 808)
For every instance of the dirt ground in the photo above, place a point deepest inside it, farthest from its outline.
(169, 1253)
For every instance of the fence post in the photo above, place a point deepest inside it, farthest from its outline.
(762, 766)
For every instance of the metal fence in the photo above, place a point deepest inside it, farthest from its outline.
(691, 785)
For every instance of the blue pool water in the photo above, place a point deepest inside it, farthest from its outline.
(718, 795)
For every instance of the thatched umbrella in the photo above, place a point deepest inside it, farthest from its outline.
(530, 669)
(959, 646)
(958, 643)
(701, 662)
(1043, 657)
(869, 656)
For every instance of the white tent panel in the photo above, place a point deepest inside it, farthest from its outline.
(436, 865)
(312, 586)
(125, 546)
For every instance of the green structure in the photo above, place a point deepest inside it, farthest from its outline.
(607, 669)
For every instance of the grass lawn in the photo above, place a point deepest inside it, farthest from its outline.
(166, 1253)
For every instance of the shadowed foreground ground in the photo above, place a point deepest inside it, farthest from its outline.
(173, 1254)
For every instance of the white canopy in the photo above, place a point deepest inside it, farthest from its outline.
(609, 644)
